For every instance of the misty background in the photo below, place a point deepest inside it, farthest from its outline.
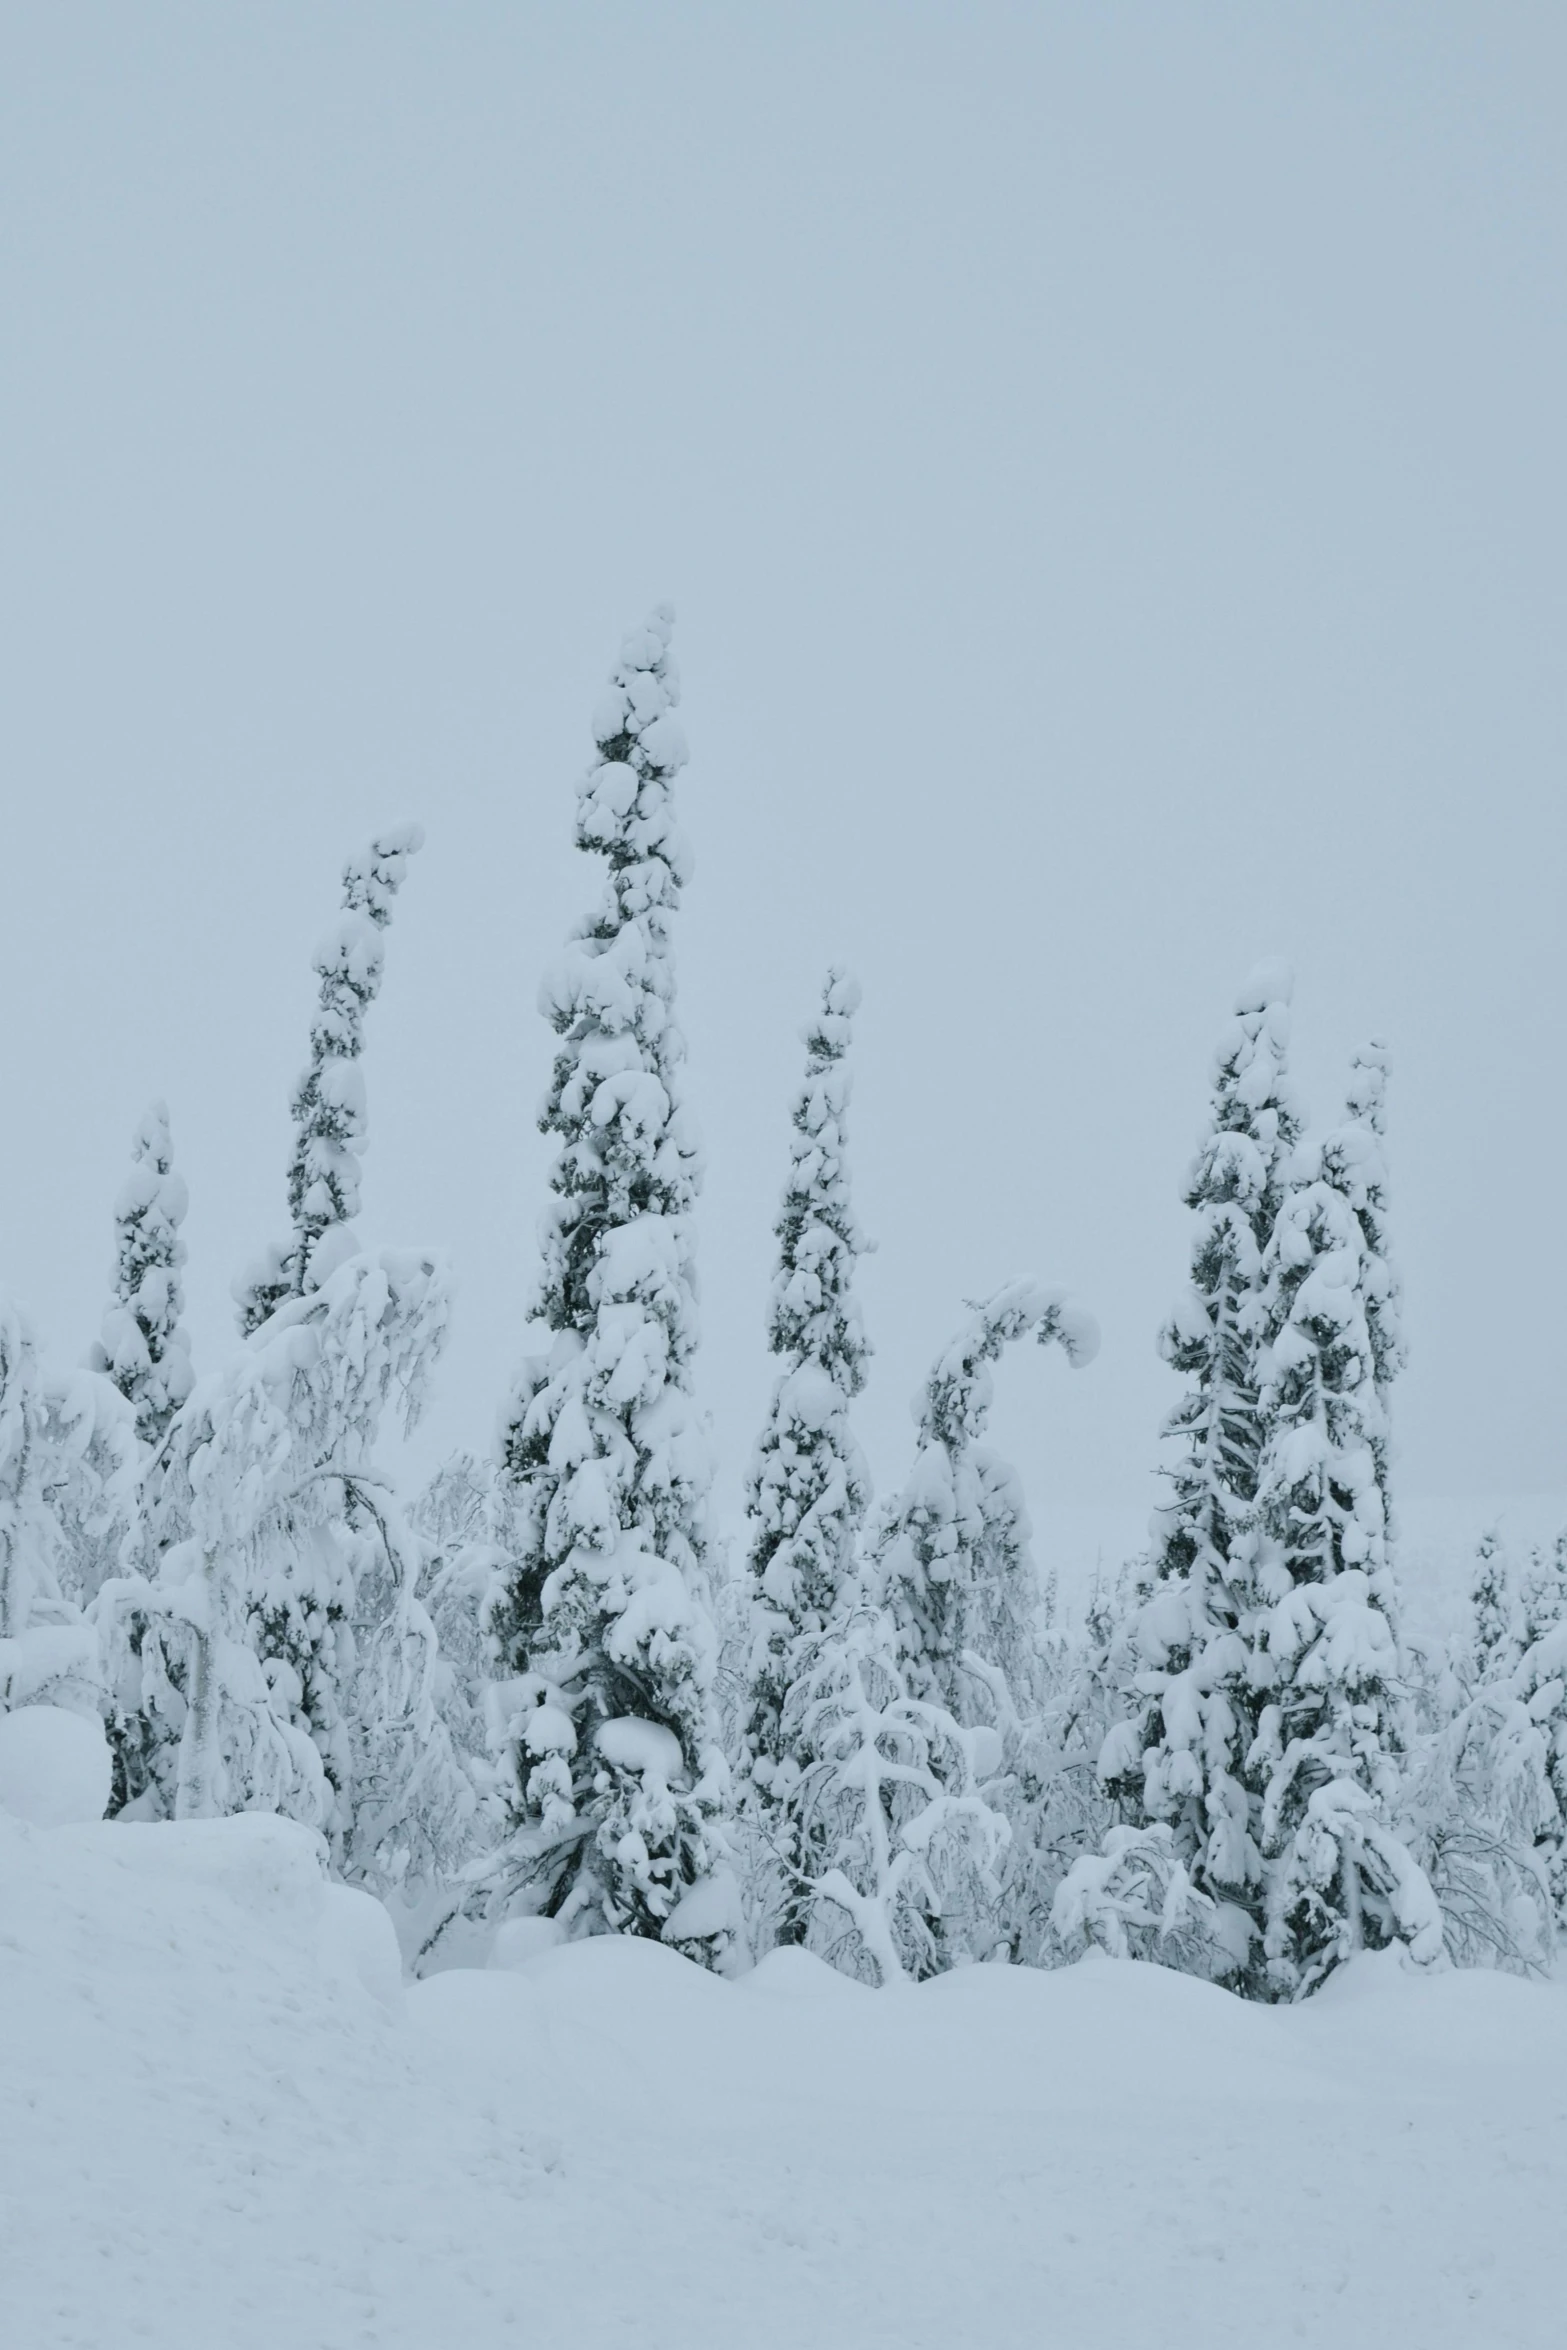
(1107, 463)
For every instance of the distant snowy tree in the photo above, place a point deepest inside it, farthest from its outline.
(808, 1487)
(1542, 1592)
(1496, 1629)
(143, 1347)
(1332, 1729)
(453, 1521)
(46, 1655)
(93, 1459)
(598, 1611)
(1182, 1756)
(329, 1101)
(952, 1549)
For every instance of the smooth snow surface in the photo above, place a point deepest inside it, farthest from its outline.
(55, 1768)
(220, 2131)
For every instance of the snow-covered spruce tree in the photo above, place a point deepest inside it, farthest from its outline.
(952, 1549)
(954, 1571)
(808, 1487)
(1181, 1757)
(143, 1347)
(1496, 1639)
(598, 1614)
(1331, 1731)
(329, 1101)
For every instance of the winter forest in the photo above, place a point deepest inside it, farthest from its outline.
(542, 1697)
(783, 1531)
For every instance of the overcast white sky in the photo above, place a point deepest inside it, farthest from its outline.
(1108, 464)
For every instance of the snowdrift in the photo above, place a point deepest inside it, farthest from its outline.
(227, 2123)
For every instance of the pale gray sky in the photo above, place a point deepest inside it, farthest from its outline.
(1108, 464)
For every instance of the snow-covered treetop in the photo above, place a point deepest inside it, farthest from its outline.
(329, 1102)
(628, 1147)
(372, 880)
(1256, 1115)
(143, 1347)
(814, 1315)
(1354, 1161)
(956, 1399)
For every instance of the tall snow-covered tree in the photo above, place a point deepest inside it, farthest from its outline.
(598, 1611)
(1495, 1622)
(329, 1101)
(1331, 1730)
(143, 1347)
(808, 1488)
(1181, 1757)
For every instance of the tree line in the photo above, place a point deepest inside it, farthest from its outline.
(534, 1691)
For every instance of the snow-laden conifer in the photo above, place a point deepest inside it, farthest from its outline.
(598, 1613)
(1182, 1754)
(1331, 1730)
(143, 1347)
(1495, 1639)
(808, 1487)
(956, 1572)
(329, 1101)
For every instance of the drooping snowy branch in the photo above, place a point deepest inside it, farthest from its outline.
(955, 1569)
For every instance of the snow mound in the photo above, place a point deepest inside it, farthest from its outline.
(359, 1942)
(223, 2125)
(55, 1768)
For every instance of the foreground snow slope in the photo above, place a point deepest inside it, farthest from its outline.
(225, 2126)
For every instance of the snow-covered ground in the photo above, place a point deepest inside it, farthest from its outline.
(225, 2127)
